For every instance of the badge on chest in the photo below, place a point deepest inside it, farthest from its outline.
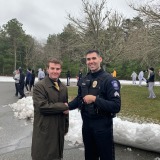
(94, 84)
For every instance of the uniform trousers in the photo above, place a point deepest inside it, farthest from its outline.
(98, 138)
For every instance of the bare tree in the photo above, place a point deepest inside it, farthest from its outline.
(150, 12)
(114, 39)
(93, 22)
(99, 29)
(38, 58)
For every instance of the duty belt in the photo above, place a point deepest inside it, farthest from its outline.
(104, 113)
(92, 110)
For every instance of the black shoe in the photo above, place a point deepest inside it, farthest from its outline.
(22, 97)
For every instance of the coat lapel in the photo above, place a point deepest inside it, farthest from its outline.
(49, 84)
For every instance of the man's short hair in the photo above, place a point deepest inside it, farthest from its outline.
(91, 51)
(54, 60)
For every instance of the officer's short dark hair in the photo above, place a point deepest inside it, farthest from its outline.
(91, 51)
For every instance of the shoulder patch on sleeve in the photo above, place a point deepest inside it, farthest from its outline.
(116, 94)
(115, 84)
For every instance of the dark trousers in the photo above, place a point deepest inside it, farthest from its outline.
(68, 81)
(17, 88)
(27, 84)
(30, 86)
(21, 90)
(98, 139)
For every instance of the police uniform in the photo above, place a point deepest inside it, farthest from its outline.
(97, 129)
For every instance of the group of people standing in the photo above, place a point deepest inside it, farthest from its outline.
(149, 80)
(26, 81)
(30, 79)
(22, 81)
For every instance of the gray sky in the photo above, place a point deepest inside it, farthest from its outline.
(43, 17)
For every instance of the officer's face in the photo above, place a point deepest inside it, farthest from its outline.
(93, 61)
(54, 71)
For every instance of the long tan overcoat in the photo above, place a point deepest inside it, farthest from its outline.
(50, 124)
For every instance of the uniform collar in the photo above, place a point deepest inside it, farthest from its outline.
(95, 74)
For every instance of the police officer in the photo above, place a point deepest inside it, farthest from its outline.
(99, 100)
(68, 75)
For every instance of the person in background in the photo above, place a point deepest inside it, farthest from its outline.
(159, 74)
(50, 124)
(114, 74)
(28, 79)
(80, 74)
(41, 74)
(99, 100)
(150, 81)
(21, 83)
(32, 80)
(134, 77)
(16, 78)
(141, 77)
(45, 71)
(68, 75)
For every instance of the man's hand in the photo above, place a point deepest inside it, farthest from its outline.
(66, 112)
(88, 99)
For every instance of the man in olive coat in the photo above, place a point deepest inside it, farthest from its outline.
(50, 121)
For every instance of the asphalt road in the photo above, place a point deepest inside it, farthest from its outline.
(15, 136)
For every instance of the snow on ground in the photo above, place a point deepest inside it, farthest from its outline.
(74, 81)
(144, 136)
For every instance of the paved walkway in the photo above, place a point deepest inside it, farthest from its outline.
(15, 135)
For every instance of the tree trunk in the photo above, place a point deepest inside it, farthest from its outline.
(15, 56)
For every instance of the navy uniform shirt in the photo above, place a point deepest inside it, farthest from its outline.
(104, 87)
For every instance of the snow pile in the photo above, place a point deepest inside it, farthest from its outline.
(23, 109)
(145, 136)
(75, 127)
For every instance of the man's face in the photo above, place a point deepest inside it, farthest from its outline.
(93, 61)
(17, 71)
(54, 71)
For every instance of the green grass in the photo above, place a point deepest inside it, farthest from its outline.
(135, 104)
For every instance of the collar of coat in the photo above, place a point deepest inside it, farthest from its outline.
(49, 83)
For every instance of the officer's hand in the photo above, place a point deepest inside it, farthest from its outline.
(67, 111)
(89, 99)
